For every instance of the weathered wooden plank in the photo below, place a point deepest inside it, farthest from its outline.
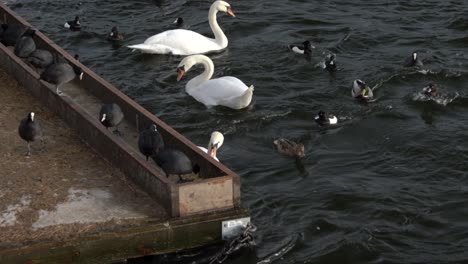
(193, 198)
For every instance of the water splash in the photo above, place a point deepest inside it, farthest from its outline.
(441, 99)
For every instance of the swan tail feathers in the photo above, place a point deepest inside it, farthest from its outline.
(247, 97)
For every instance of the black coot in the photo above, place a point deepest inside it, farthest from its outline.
(150, 141)
(25, 46)
(61, 72)
(29, 130)
(111, 116)
(174, 162)
(12, 33)
(41, 58)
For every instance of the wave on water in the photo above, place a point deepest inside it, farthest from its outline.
(459, 23)
(441, 99)
(280, 252)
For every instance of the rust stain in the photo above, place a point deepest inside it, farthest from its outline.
(76, 255)
(144, 250)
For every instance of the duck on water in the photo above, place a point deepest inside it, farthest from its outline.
(361, 91)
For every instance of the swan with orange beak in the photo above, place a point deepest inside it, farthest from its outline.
(186, 42)
(225, 91)
(216, 141)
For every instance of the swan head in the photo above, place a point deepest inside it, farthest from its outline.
(216, 141)
(223, 6)
(187, 63)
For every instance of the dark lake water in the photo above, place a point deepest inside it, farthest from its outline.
(389, 184)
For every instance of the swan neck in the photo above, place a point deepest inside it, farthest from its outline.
(220, 38)
(203, 77)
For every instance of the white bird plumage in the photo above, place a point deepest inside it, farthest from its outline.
(361, 91)
(216, 141)
(187, 42)
(226, 91)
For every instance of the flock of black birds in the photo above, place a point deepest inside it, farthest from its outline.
(53, 69)
(57, 71)
(151, 144)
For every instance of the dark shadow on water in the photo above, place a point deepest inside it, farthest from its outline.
(301, 168)
(160, 4)
(195, 256)
(427, 116)
(116, 44)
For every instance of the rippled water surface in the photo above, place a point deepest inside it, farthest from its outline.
(387, 185)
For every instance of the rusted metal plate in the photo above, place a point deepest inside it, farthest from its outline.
(203, 196)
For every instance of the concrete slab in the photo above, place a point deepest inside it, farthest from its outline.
(64, 189)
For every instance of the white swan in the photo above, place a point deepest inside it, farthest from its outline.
(187, 42)
(226, 91)
(216, 141)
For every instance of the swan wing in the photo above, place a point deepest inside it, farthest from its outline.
(178, 42)
(227, 91)
(154, 49)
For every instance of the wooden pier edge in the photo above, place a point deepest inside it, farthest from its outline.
(160, 238)
(221, 179)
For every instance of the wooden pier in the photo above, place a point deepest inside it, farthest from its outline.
(184, 215)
